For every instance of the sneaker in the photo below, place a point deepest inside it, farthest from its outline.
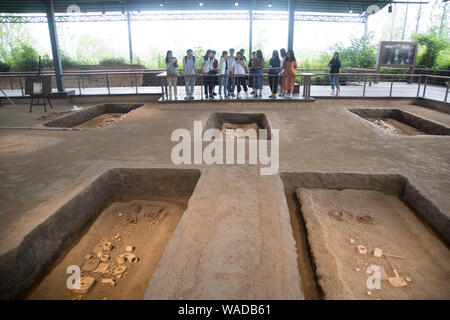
(233, 95)
(211, 97)
(253, 92)
(332, 93)
(186, 98)
(191, 98)
(337, 92)
(214, 94)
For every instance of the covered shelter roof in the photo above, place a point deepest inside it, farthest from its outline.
(61, 6)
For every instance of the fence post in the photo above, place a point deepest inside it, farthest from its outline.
(21, 86)
(79, 84)
(392, 84)
(107, 83)
(365, 81)
(418, 86)
(425, 87)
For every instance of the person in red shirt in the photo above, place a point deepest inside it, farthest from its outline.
(289, 67)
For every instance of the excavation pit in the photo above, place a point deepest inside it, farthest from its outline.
(244, 121)
(123, 207)
(400, 122)
(339, 212)
(94, 117)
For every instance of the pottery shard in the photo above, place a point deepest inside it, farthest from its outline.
(102, 268)
(86, 284)
(99, 246)
(90, 265)
(362, 249)
(119, 270)
(127, 257)
(121, 259)
(104, 257)
(368, 219)
(154, 212)
(107, 246)
(136, 208)
(132, 218)
(129, 248)
(337, 215)
(377, 252)
(109, 281)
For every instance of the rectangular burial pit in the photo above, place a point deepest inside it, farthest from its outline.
(343, 211)
(139, 208)
(401, 123)
(94, 117)
(227, 120)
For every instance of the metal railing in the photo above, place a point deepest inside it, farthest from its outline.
(318, 78)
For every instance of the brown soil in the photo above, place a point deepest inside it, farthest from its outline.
(22, 144)
(148, 231)
(396, 126)
(101, 121)
(374, 220)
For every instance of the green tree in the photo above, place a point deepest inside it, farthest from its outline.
(12, 35)
(434, 44)
(361, 53)
(24, 58)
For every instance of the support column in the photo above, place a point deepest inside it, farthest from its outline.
(250, 35)
(54, 42)
(366, 25)
(291, 14)
(130, 44)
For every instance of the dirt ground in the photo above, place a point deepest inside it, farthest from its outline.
(148, 231)
(395, 126)
(42, 170)
(340, 220)
(101, 121)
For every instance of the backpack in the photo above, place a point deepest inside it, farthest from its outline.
(193, 57)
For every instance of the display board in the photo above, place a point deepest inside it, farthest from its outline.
(397, 54)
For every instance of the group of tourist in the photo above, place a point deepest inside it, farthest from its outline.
(231, 73)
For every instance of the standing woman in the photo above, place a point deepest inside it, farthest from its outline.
(223, 77)
(283, 57)
(289, 67)
(258, 65)
(275, 69)
(335, 68)
(208, 68)
(238, 71)
(172, 75)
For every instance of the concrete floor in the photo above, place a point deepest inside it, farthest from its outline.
(42, 170)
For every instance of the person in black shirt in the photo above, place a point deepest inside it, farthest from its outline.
(274, 68)
(335, 68)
